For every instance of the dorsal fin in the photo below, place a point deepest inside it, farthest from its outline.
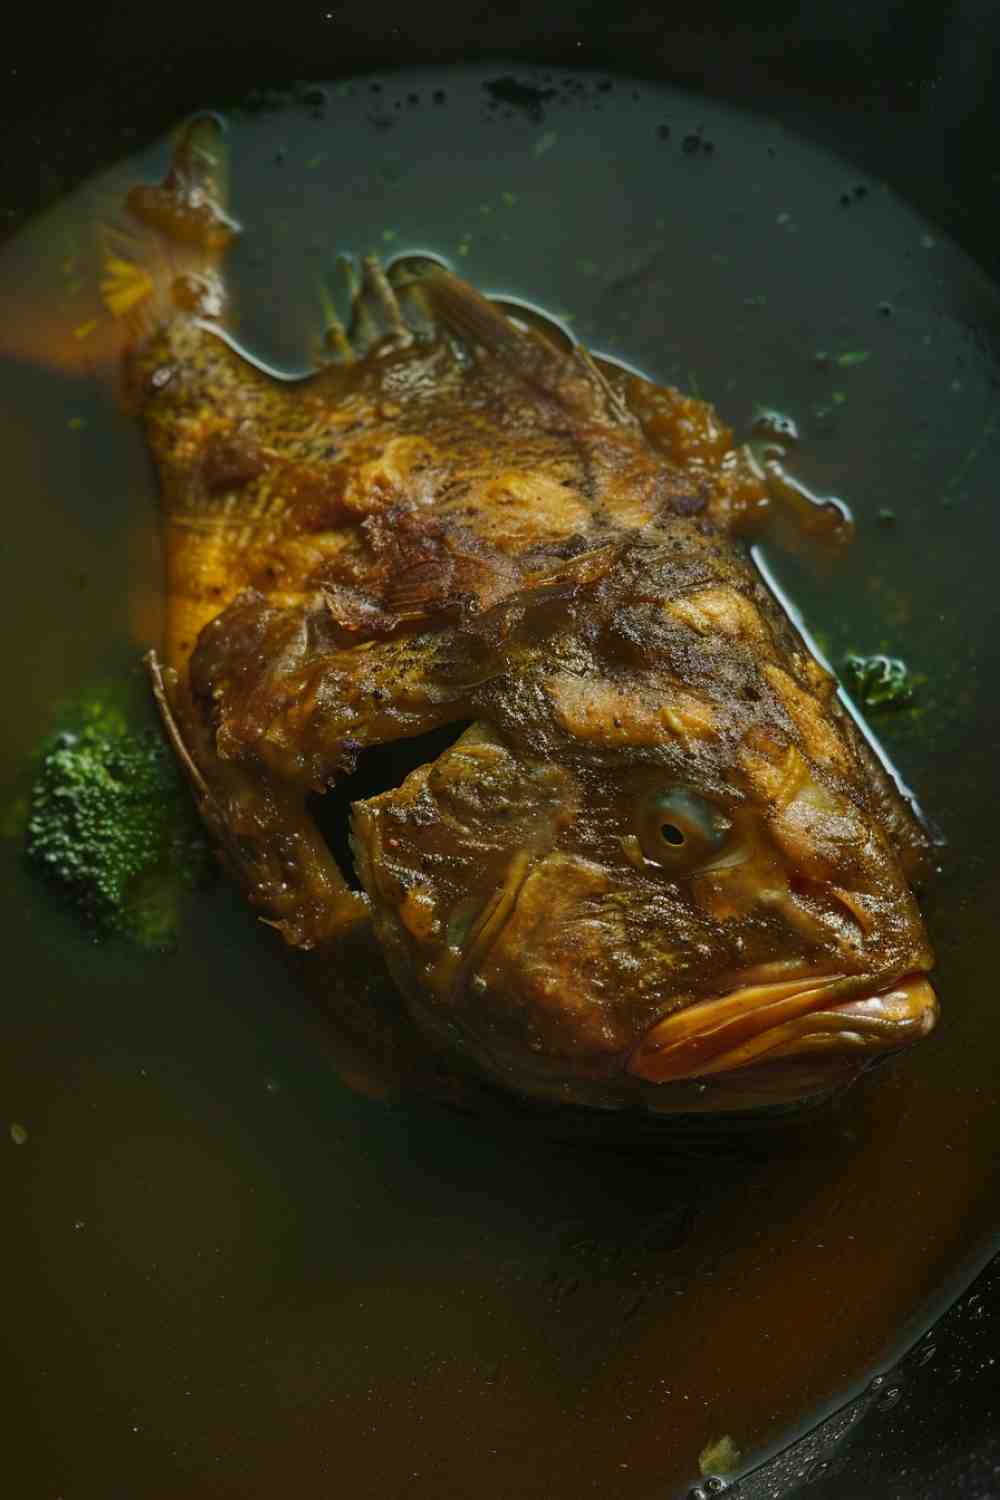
(567, 376)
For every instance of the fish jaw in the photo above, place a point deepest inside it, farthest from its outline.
(785, 1019)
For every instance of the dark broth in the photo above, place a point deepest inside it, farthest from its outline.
(227, 1273)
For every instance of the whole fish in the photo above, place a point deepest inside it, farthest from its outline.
(649, 862)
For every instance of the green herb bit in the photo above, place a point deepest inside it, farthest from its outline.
(878, 682)
(719, 1457)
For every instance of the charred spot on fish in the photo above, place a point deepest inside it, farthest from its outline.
(229, 461)
(378, 769)
(689, 504)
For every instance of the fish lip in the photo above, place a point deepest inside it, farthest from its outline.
(783, 1019)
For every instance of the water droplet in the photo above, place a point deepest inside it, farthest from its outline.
(889, 1398)
(876, 1384)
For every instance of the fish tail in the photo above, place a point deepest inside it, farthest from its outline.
(164, 258)
(159, 256)
(153, 251)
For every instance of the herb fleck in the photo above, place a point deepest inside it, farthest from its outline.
(878, 682)
(719, 1457)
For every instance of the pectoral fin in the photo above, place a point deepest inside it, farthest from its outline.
(264, 830)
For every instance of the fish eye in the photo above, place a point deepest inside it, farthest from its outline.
(680, 830)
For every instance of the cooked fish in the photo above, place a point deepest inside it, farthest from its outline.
(657, 866)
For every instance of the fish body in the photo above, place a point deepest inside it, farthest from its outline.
(657, 866)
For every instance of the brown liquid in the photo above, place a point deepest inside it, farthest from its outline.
(227, 1273)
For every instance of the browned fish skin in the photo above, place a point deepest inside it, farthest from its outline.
(660, 866)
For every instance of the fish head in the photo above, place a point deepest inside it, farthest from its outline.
(661, 855)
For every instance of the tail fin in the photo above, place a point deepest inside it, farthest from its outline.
(181, 234)
(155, 252)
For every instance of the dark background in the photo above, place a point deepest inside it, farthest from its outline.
(905, 89)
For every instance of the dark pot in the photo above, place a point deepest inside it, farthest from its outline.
(905, 91)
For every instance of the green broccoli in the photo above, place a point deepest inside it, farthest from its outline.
(878, 682)
(111, 824)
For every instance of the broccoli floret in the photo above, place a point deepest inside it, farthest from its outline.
(111, 824)
(878, 681)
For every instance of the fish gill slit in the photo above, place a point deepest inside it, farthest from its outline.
(380, 768)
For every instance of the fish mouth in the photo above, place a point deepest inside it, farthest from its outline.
(782, 1019)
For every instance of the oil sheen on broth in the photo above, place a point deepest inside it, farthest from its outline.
(314, 1269)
